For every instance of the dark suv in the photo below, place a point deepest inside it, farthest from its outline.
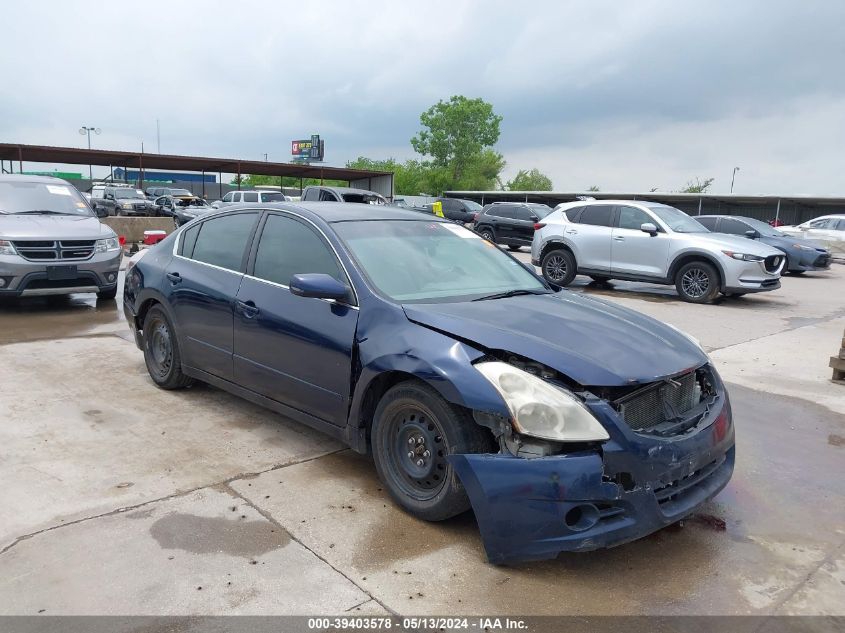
(460, 210)
(510, 223)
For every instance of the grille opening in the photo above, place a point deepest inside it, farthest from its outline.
(72, 243)
(34, 244)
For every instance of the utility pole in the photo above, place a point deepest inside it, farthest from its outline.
(86, 130)
(733, 176)
(158, 137)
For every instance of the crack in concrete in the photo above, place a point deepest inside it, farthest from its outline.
(815, 321)
(175, 495)
(800, 585)
(272, 520)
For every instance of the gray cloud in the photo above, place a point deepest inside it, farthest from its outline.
(628, 95)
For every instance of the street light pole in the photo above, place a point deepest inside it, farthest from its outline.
(733, 176)
(87, 131)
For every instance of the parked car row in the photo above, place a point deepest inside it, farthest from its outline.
(657, 243)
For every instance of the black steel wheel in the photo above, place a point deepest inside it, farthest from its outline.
(697, 282)
(161, 351)
(559, 267)
(413, 432)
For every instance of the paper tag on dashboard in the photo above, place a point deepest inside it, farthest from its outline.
(59, 190)
(461, 231)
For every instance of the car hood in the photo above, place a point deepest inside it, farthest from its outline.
(734, 243)
(55, 227)
(593, 342)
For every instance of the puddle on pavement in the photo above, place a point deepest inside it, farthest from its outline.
(43, 318)
(212, 535)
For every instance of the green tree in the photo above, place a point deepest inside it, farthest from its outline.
(699, 186)
(533, 180)
(456, 134)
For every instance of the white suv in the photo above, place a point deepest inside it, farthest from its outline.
(647, 241)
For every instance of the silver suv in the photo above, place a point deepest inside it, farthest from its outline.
(51, 242)
(647, 241)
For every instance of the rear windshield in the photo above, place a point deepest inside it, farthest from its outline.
(272, 197)
(39, 197)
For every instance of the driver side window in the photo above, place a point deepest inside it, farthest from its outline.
(633, 218)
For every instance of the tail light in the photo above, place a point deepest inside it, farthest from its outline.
(539, 225)
(121, 239)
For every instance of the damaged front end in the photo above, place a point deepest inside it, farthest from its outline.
(669, 448)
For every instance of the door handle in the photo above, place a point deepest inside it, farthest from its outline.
(247, 308)
(571, 232)
(619, 239)
(174, 278)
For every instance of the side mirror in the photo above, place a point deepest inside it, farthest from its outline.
(752, 234)
(648, 227)
(101, 212)
(318, 286)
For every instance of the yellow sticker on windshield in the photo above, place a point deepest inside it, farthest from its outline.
(437, 208)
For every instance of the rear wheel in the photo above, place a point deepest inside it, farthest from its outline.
(697, 282)
(161, 351)
(599, 279)
(513, 247)
(559, 267)
(413, 431)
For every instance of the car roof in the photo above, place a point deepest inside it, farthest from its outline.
(343, 211)
(343, 190)
(29, 178)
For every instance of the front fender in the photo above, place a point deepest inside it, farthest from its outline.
(437, 359)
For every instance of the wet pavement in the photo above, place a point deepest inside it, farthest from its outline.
(121, 498)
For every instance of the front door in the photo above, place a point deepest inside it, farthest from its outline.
(634, 252)
(203, 280)
(295, 350)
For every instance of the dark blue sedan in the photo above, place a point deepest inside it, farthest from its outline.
(801, 255)
(565, 422)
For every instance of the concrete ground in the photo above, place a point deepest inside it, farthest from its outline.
(120, 498)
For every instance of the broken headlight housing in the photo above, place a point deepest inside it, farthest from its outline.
(540, 409)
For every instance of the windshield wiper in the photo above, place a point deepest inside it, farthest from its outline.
(44, 212)
(512, 293)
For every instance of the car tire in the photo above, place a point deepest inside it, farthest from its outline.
(697, 282)
(488, 234)
(559, 267)
(414, 412)
(797, 272)
(107, 295)
(514, 248)
(600, 279)
(161, 351)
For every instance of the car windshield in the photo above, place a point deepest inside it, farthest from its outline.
(272, 196)
(423, 261)
(40, 197)
(676, 219)
(472, 206)
(763, 228)
(126, 193)
(540, 210)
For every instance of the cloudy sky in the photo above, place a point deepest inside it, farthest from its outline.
(624, 95)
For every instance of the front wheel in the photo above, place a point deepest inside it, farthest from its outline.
(697, 282)
(161, 351)
(559, 267)
(487, 234)
(413, 431)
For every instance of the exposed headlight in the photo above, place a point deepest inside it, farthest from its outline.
(540, 409)
(744, 256)
(6, 248)
(109, 244)
(126, 205)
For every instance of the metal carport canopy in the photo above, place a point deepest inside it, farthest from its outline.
(15, 152)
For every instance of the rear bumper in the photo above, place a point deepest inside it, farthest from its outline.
(534, 509)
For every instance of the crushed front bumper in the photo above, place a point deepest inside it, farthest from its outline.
(533, 509)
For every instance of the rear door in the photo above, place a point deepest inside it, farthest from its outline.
(635, 252)
(522, 225)
(590, 238)
(295, 350)
(203, 279)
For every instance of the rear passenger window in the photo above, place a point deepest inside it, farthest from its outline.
(597, 215)
(289, 247)
(188, 241)
(251, 197)
(521, 213)
(222, 241)
(573, 214)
